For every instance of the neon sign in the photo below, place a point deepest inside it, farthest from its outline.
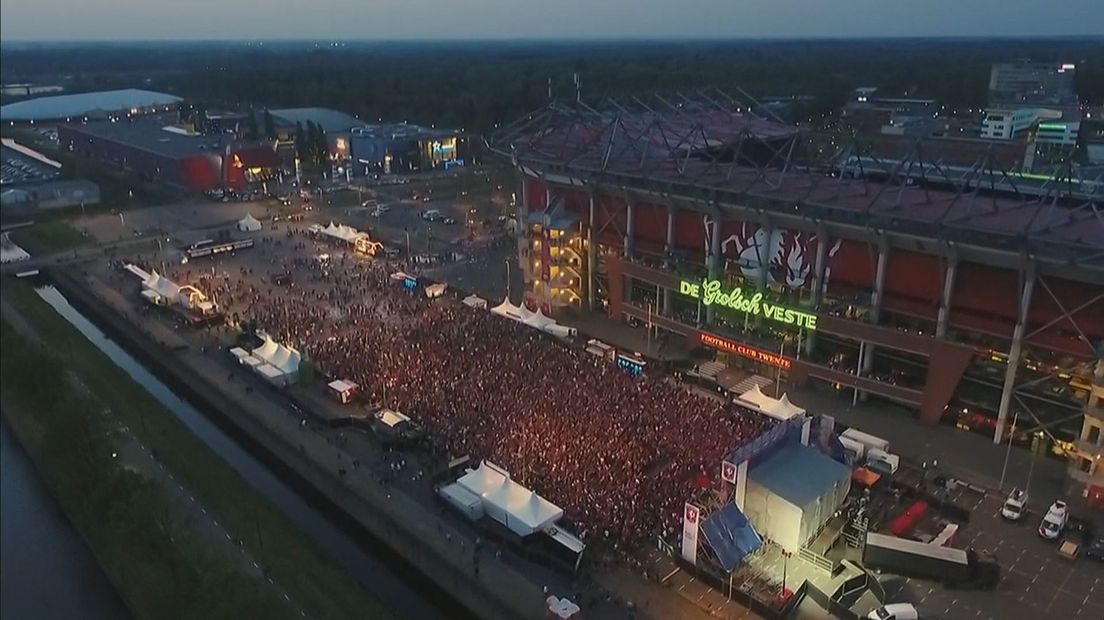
(710, 293)
(743, 350)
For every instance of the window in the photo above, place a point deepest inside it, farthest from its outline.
(1093, 434)
(1085, 465)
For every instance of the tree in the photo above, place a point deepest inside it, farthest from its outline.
(269, 126)
(310, 148)
(322, 148)
(251, 128)
(300, 143)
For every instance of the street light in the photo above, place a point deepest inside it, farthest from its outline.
(507, 261)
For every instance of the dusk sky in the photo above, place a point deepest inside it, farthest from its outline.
(519, 19)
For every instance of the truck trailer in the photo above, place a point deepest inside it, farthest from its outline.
(954, 567)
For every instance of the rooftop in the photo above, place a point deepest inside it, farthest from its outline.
(331, 121)
(713, 150)
(84, 104)
(798, 474)
(151, 135)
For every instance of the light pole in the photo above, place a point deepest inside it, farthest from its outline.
(1036, 439)
(1008, 450)
(507, 261)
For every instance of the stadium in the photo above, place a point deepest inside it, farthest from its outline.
(968, 294)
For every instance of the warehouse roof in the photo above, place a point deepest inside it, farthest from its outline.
(83, 104)
(150, 135)
(332, 121)
(798, 474)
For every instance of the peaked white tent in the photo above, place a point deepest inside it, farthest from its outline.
(161, 286)
(342, 232)
(518, 508)
(778, 408)
(249, 223)
(284, 359)
(508, 310)
(475, 301)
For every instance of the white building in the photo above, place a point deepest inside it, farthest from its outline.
(1007, 123)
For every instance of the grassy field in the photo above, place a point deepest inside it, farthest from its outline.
(294, 561)
(49, 236)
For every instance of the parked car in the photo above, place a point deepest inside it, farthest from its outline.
(1015, 506)
(1054, 521)
(432, 215)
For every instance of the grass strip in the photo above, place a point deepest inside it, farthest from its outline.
(294, 561)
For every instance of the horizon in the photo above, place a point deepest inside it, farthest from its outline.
(56, 21)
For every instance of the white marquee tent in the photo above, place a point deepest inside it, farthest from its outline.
(507, 310)
(778, 408)
(518, 508)
(475, 301)
(537, 320)
(249, 223)
(284, 359)
(344, 233)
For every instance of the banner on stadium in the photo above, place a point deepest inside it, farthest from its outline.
(691, 517)
(728, 472)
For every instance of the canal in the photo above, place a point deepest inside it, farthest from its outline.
(46, 570)
(380, 572)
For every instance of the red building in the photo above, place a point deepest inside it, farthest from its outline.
(889, 280)
(156, 150)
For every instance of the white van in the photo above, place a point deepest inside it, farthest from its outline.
(866, 439)
(883, 462)
(895, 611)
(854, 449)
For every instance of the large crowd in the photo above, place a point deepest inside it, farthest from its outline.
(619, 454)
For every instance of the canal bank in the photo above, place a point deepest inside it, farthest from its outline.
(43, 551)
(380, 520)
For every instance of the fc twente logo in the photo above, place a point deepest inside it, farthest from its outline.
(787, 255)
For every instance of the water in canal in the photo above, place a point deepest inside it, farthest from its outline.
(46, 570)
(402, 594)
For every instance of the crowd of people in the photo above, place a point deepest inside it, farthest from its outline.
(619, 454)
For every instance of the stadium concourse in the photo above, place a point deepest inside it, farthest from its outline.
(620, 454)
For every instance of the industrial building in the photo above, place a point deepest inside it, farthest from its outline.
(102, 105)
(1026, 83)
(943, 292)
(399, 148)
(161, 152)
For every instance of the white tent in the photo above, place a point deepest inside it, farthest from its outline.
(536, 320)
(249, 223)
(559, 331)
(162, 286)
(474, 301)
(436, 290)
(272, 374)
(508, 310)
(778, 408)
(518, 508)
(342, 232)
(283, 358)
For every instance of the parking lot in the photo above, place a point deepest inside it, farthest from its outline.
(1036, 582)
(16, 169)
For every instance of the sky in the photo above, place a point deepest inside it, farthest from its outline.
(82, 20)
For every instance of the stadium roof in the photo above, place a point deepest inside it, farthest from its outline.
(152, 136)
(798, 474)
(331, 121)
(84, 104)
(712, 152)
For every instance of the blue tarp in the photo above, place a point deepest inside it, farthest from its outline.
(730, 535)
(798, 474)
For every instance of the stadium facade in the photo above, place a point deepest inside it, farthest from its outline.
(971, 295)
